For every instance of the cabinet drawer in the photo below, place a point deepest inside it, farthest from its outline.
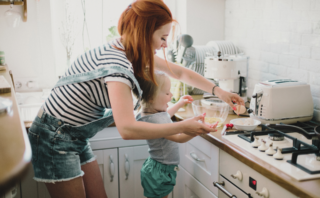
(201, 159)
(188, 186)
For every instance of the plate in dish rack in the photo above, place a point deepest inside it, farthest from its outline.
(5, 105)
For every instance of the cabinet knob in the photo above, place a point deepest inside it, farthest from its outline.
(238, 176)
(264, 193)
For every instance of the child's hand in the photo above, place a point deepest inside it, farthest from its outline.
(185, 100)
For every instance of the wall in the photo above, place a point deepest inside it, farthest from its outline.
(28, 48)
(202, 19)
(282, 39)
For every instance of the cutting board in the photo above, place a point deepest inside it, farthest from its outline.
(4, 85)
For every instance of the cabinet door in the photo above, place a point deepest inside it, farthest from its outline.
(130, 163)
(189, 187)
(108, 165)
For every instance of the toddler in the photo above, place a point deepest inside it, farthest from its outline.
(158, 173)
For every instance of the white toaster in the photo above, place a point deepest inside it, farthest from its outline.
(282, 101)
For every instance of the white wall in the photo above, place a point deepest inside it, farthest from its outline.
(28, 47)
(201, 19)
(282, 39)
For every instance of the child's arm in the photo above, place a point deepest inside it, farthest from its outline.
(183, 100)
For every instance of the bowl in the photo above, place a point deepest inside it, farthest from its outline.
(215, 109)
(241, 124)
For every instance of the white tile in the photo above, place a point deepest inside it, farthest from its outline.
(315, 90)
(316, 103)
(288, 60)
(300, 51)
(316, 27)
(310, 40)
(270, 57)
(298, 74)
(278, 70)
(301, 5)
(315, 53)
(310, 65)
(258, 66)
(315, 78)
(283, 4)
(304, 27)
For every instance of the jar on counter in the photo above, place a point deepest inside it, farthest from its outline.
(2, 59)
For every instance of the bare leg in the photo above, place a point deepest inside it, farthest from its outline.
(93, 181)
(67, 189)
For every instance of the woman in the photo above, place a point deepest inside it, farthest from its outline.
(101, 79)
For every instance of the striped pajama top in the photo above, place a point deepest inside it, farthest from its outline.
(81, 103)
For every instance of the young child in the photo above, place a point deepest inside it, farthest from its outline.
(158, 173)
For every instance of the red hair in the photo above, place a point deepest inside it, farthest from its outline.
(138, 23)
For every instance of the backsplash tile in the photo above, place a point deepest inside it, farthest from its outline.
(282, 39)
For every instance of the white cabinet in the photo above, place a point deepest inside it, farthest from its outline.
(108, 164)
(120, 174)
(131, 160)
(130, 163)
(200, 159)
(189, 187)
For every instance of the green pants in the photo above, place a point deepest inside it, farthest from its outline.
(157, 179)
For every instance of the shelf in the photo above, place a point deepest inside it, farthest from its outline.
(14, 3)
(23, 3)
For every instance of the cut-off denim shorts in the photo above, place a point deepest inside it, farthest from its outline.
(56, 155)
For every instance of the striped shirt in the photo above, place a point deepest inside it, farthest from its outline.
(81, 103)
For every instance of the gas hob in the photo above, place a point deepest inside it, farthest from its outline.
(298, 144)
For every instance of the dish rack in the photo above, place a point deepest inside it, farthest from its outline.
(29, 104)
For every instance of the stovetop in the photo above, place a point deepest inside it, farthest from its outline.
(299, 145)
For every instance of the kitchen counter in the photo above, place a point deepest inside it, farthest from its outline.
(15, 150)
(304, 189)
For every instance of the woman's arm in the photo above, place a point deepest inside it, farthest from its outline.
(180, 138)
(194, 79)
(122, 107)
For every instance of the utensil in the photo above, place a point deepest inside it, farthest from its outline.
(185, 41)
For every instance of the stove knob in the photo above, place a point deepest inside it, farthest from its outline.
(263, 146)
(278, 155)
(264, 193)
(238, 176)
(255, 143)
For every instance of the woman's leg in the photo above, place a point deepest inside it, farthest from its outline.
(93, 181)
(67, 189)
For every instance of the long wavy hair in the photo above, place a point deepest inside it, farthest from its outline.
(138, 23)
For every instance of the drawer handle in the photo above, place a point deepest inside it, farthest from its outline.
(195, 157)
(126, 166)
(111, 168)
(220, 185)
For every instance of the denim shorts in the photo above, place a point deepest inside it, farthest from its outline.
(157, 179)
(56, 156)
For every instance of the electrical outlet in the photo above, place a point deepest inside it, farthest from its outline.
(26, 84)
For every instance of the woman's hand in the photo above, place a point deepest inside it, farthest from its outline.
(228, 97)
(193, 127)
(185, 100)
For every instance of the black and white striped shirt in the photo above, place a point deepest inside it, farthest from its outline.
(80, 103)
